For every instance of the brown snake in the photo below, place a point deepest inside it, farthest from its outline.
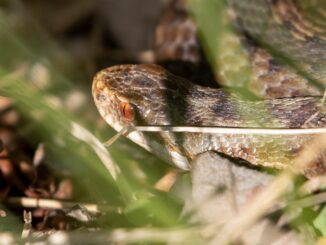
(150, 95)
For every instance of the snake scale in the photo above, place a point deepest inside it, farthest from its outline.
(150, 95)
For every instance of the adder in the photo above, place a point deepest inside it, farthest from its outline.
(285, 45)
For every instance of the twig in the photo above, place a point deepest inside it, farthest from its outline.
(312, 185)
(121, 236)
(296, 207)
(124, 131)
(322, 104)
(27, 228)
(323, 99)
(311, 200)
(28, 202)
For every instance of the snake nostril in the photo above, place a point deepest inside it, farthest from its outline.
(101, 97)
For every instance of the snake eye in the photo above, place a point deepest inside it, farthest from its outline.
(127, 111)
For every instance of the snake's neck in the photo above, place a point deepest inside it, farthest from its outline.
(199, 106)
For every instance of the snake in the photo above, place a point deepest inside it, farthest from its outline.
(149, 95)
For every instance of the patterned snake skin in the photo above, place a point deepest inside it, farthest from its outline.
(150, 95)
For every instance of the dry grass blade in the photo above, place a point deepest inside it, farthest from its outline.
(120, 236)
(233, 131)
(125, 131)
(27, 229)
(28, 202)
(83, 134)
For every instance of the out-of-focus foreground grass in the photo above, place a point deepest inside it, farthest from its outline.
(52, 93)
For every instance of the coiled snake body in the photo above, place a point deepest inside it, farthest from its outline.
(150, 95)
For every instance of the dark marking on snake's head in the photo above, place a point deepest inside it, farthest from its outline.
(155, 96)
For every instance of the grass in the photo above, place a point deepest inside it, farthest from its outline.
(123, 176)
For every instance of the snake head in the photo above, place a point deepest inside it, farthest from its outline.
(137, 95)
(133, 95)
